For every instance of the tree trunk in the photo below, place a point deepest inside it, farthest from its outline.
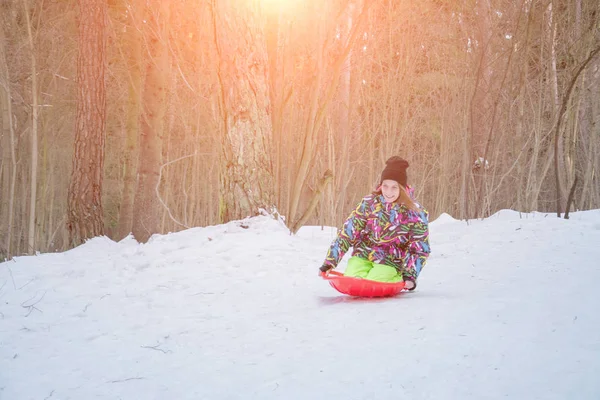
(247, 172)
(274, 52)
(559, 144)
(146, 219)
(480, 105)
(34, 136)
(481, 109)
(85, 213)
(132, 55)
(9, 131)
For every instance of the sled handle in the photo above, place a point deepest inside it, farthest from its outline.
(335, 273)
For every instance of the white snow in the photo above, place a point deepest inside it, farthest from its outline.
(506, 308)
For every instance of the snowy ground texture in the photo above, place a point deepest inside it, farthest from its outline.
(507, 308)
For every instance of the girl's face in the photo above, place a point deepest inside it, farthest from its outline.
(390, 190)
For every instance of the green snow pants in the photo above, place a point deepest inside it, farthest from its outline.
(359, 267)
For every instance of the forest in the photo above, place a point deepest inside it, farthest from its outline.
(123, 117)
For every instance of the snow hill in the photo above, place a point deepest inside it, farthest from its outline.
(506, 308)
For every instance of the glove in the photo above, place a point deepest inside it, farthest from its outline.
(413, 281)
(325, 269)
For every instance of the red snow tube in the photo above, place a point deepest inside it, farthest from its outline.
(361, 287)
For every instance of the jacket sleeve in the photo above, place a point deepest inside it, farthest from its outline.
(418, 246)
(348, 235)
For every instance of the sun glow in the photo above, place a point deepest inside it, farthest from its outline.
(280, 6)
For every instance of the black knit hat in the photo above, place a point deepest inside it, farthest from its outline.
(395, 169)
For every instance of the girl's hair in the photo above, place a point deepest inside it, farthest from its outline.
(404, 198)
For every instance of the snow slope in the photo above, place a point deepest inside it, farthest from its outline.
(506, 308)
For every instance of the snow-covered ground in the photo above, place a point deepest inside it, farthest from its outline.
(506, 308)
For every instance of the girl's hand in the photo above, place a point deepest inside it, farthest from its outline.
(324, 270)
(409, 284)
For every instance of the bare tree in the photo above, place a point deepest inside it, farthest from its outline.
(34, 134)
(247, 183)
(146, 219)
(130, 49)
(561, 115)
(85, 214)
(8, 131)
(322, 89)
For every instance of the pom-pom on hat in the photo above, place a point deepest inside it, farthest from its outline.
(395, 169)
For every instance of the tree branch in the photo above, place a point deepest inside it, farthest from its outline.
(327, 176)
(570, 199)
(561, 115)
(158, 185)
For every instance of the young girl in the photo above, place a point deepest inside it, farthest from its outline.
(388, 230)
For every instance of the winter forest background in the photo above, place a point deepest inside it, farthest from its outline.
(152, 116)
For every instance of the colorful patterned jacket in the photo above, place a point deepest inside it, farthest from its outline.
(385, 233)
